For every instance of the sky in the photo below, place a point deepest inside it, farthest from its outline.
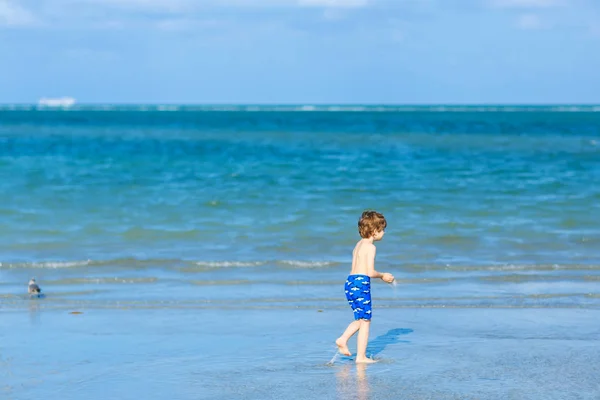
(301, 51)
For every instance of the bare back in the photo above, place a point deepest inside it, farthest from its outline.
(363, 258)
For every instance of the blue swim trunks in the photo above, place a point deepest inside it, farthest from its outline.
(358, 293)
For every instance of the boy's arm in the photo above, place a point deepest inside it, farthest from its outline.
(371, 264)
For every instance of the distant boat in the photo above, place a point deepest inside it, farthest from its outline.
(56, 102)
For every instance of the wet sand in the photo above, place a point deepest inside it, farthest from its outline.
(423, 353)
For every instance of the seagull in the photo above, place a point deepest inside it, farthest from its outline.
(33, 287)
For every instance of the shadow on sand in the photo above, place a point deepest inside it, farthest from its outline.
(392, 336)
(379, 344)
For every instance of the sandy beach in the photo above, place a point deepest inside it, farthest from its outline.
(246, 353)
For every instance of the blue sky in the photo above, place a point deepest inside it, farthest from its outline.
(301, 51)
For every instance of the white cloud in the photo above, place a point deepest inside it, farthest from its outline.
(187, 5)
(334, 3)
(89, 54)
(14, 15)
(167, 15)
(529, 22)
(170, 6)
(333, 14)
(187, 24)
(185, 8)
(526, 3)
(172, 15)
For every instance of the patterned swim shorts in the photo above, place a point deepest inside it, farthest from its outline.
(358, 293)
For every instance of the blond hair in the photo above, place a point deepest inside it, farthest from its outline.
(371, 222)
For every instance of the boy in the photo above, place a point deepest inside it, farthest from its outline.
(371, 227)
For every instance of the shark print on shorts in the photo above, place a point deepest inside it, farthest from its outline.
(358, 293)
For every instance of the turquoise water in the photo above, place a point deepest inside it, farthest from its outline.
(202, 251)
(170, 197)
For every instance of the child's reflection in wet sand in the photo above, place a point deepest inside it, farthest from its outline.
(353, 382)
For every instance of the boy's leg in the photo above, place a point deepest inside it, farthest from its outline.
(361, 343)
(342, 341)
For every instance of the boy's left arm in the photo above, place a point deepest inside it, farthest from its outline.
(371, 264)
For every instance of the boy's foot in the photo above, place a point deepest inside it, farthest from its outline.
(343, 347)
(365, 361)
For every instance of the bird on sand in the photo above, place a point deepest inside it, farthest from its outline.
(33, 287)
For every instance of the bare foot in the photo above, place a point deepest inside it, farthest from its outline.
(365, 361)
(343, 347)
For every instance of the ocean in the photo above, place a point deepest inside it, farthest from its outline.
(253, 209)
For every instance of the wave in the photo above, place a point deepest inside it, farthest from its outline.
(45, 264)
(307, 264)
(177, 263)
(229, 264)
(500, 268)
(101, 280)
(135, 263)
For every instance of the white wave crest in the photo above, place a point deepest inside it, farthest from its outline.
(307, 264)
(47, 264)
(225, 264)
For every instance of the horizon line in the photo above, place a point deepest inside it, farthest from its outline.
(300, 104)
